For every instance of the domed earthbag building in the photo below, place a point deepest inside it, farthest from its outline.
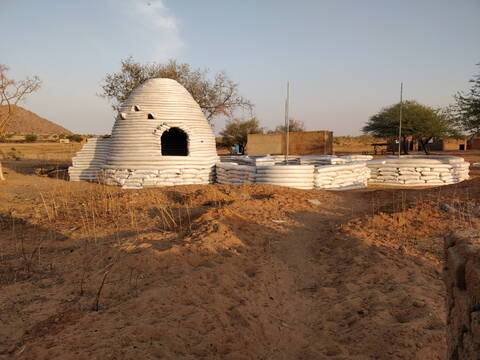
(160, 138)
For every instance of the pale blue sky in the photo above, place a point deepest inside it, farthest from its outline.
(345, 59)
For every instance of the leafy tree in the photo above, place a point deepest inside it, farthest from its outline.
(236, 132)
(293, 126)
(419, 121)
(468, 107)
(216, 97)
(12, 92)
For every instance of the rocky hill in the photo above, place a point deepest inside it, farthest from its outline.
(27, 122)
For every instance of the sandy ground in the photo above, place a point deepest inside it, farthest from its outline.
(223, 272)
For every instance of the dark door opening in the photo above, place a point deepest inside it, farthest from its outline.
(174, 142)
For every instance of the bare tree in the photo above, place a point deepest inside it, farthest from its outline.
(12, 92)
(217, 96)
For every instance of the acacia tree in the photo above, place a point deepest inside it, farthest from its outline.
(293, 126)
(419, 121)
(12, 92)
(236, 132)
(217, 96)
(468, 107)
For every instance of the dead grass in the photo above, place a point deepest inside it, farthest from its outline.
(40, 151)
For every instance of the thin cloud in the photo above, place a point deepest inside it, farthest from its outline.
(164, 25)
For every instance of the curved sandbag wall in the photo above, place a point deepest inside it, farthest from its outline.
(341, 177)
(295, 176)
(232, 173)
(330, 177)
(418, 170)
(87, 163)
(160, 137)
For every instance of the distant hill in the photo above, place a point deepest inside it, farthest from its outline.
(27, 122)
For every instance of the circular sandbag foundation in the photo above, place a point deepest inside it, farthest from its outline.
(418, 170)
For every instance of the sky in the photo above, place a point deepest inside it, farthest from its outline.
(345, 59)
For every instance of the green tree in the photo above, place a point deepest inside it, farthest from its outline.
(236, 132)
(293, 126)
(421, 122)
(468, 107)
(217, 96)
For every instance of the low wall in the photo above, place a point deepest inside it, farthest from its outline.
(462, 280)
(169, 175)
(322, 177)
(418, 170)
(232, 173)
(300, 143)
(342, 177)
(295, 176)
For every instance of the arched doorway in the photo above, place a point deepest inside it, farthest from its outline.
(174, 142)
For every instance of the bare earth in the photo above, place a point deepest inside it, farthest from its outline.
(223, 272)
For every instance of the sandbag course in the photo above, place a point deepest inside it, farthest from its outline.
(295, 176)
(353, 175)
(231, 173)
(418, 170)
(309, 172)
(168, 176)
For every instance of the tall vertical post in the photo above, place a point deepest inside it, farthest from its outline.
(287, 123)
(400, 118)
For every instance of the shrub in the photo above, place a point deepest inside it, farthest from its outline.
(75, 137)
(31, 138)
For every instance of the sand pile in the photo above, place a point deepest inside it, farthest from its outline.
(216, 271)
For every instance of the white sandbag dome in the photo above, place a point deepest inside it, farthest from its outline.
(160, 137)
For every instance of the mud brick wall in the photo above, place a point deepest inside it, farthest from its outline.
(300, 143)
(462, 279)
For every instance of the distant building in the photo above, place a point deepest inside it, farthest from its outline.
(438, 144)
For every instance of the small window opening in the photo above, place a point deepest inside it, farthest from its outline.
(122, 116)
(174, 142)
(136, 108)
(150, 116)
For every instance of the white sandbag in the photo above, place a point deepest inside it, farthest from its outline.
(441, 169)
(418, 182)
(389, 178)
(408, 177)
(393, 174)
(434, 182)
(423, 169)
(278, 180)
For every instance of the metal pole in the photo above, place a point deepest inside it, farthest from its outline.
(400, 127)
(287, 123)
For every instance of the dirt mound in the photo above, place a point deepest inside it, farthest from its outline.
(224, 272)
(26, 122)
